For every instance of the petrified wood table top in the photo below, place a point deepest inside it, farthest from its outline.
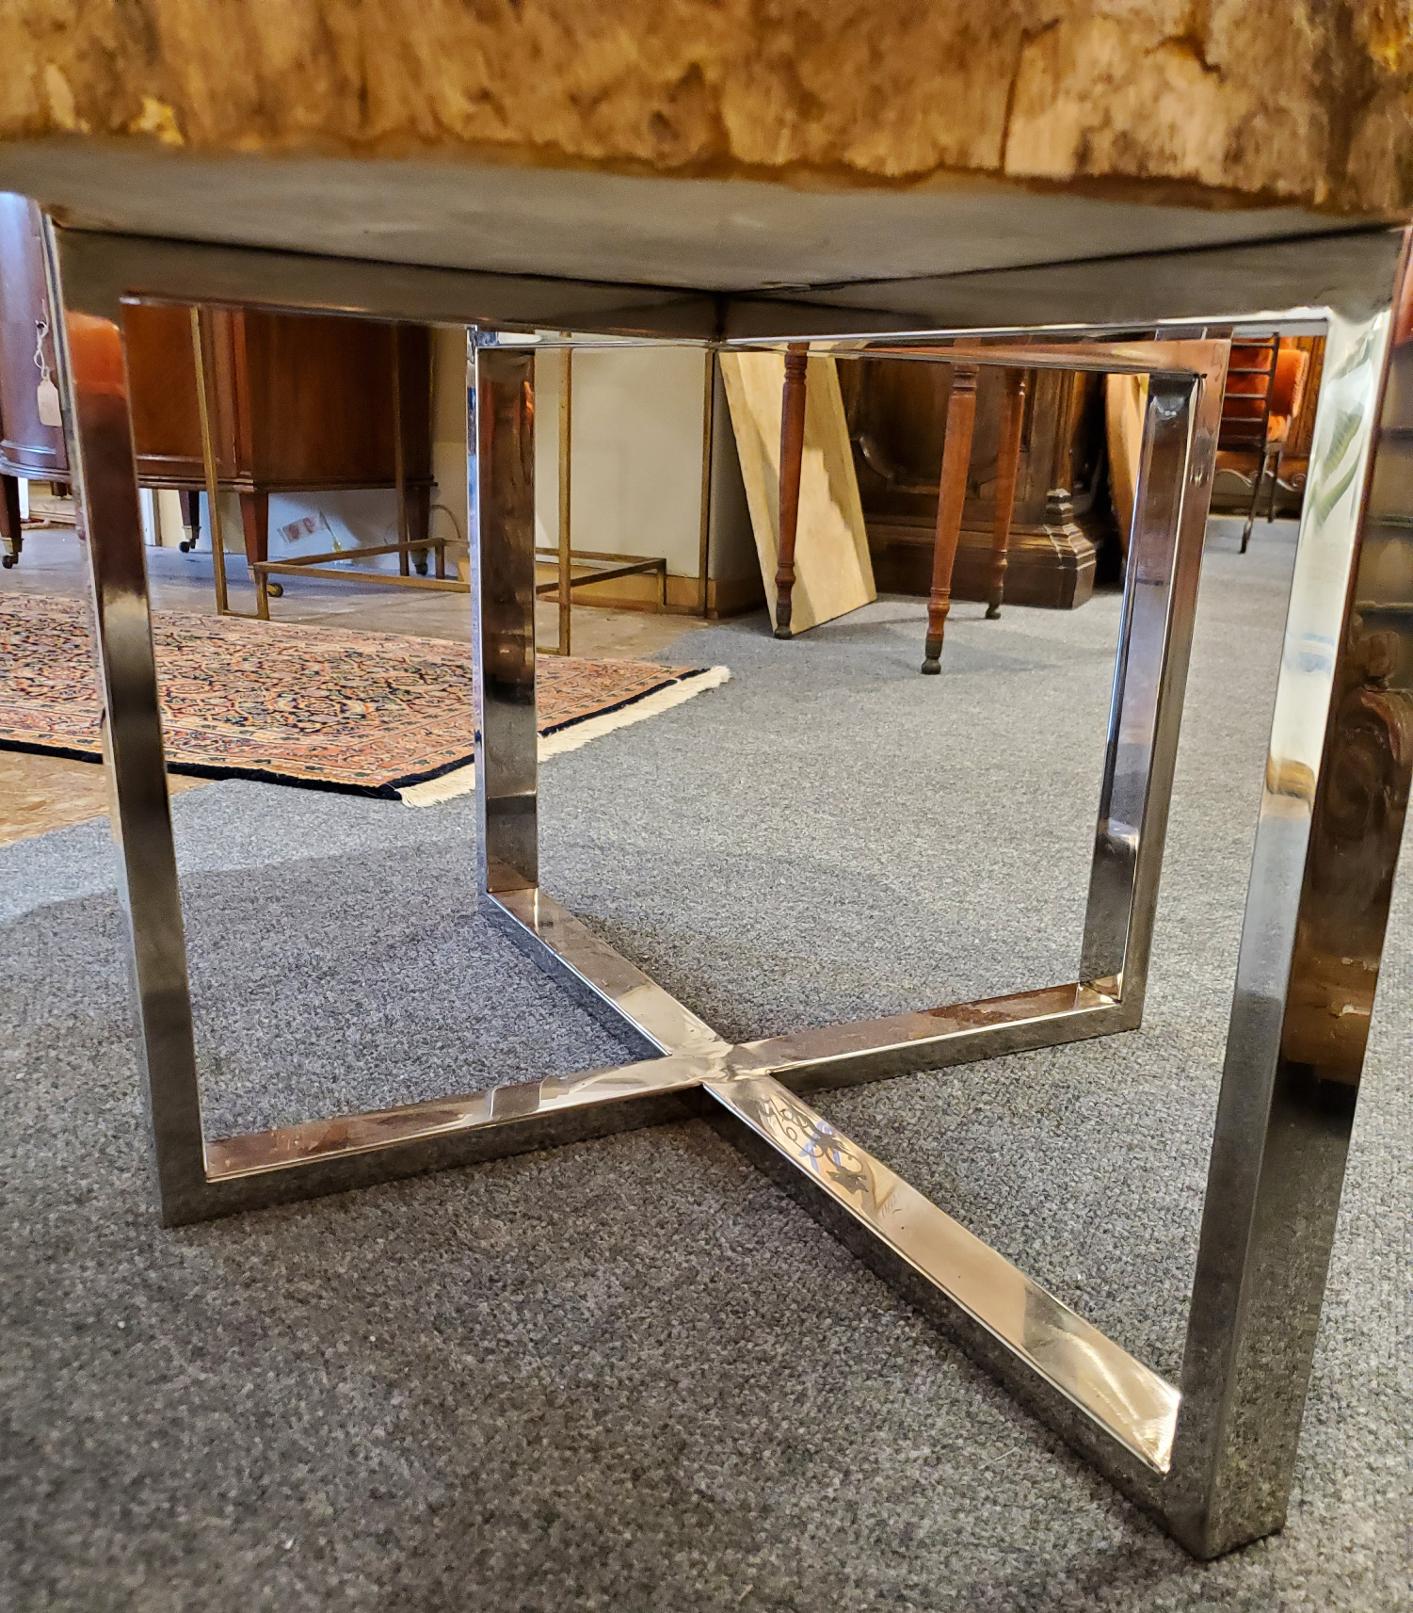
(714, 143)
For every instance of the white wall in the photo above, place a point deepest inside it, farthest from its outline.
(637, 459)
(449, 380)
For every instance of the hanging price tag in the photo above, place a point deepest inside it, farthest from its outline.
(47, 396)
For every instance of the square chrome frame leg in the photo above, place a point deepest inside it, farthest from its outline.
(98, 423)
(503, 636)
(1211, 1458)
(1327, 844)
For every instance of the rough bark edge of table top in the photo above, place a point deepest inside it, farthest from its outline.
(1219, 104)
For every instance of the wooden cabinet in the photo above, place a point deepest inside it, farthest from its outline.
(897, 410)
(28, 447)
(303, 402)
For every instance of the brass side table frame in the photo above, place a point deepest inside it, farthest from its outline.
(594, 566)
(1211, 1456)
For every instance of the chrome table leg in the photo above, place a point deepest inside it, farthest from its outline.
(98, 421)
(503, 631)
(503, 638)
(1327, 844)
(1211, 1457)
(1171, 497)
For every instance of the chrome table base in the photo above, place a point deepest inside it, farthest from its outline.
(1212, 1456)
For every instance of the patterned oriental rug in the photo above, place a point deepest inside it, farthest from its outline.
(367, 713)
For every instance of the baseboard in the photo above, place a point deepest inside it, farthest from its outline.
(726, 596)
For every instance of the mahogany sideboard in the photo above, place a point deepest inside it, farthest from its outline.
(304, 402)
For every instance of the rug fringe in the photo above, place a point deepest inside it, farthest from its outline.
(675, 694)
(462, 780)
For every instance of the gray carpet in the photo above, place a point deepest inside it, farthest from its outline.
(630, 1375)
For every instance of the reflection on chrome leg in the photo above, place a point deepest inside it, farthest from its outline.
(1327, 845)
(99, 425)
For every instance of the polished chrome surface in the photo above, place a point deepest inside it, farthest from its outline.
(1327, 843)
(1125, 1398)
(875, 1049)
(1216, 1466)
(503, 609)
(616, 991)
(332, 1156)
(286, 1146)
(1174, 355)
(564, 518)
(1134, 296)
(135, 267)
(1173, 492)
(98, 424)
(1145, 295)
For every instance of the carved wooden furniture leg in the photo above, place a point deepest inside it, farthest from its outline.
(12, 537)
(1007, 467)
(951, 496)
(792, 454)
(419, 525)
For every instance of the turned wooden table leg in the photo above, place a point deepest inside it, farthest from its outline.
(792, 455)
(419, 528)
(951, 496)
(1007, 466)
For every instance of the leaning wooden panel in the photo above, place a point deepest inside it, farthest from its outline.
(1125, 398)
(833, 569)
